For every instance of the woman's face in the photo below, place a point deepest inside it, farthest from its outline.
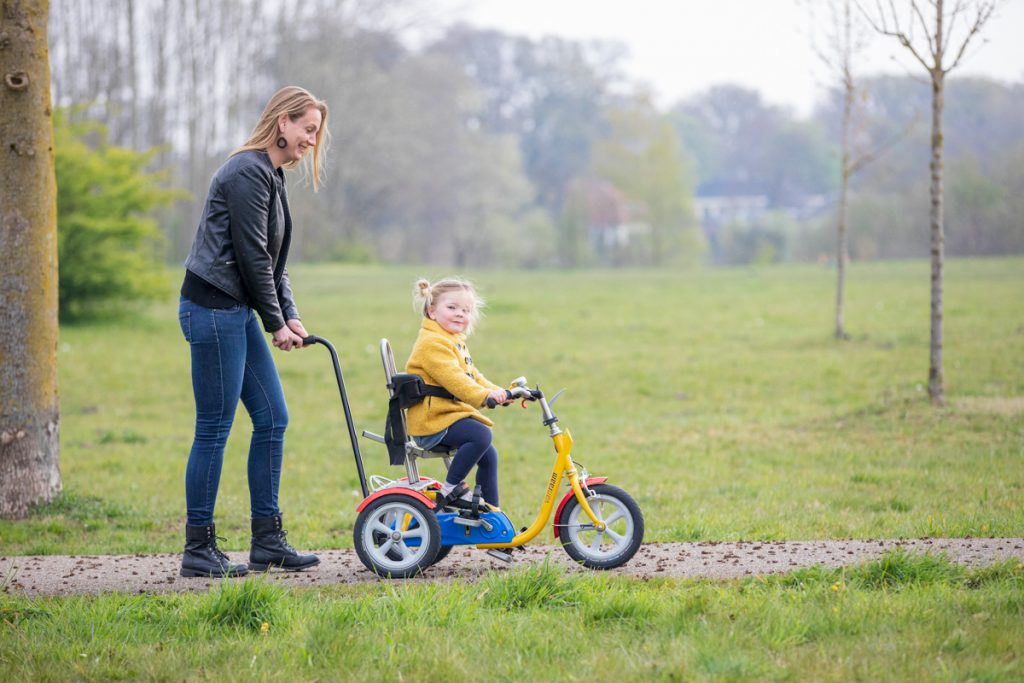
(299, 134)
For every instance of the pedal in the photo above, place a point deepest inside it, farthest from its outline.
(473, 521)
(503, 555)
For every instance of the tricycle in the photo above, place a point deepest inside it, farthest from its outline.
(402, 527)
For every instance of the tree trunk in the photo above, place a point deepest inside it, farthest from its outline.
(936, 389)
(842, 238)
(29, 410)
(133, 75)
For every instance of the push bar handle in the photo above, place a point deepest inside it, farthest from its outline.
(310, 341)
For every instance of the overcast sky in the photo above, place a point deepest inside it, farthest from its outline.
(680, 47)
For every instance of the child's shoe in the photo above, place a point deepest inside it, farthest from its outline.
(460, 498)
(457, 494)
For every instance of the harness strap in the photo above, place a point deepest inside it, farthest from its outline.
(407, 390)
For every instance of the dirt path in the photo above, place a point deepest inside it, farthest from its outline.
(68, 575)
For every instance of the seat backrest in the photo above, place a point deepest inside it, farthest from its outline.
(412, 451)
(396, 428)
(387, 357)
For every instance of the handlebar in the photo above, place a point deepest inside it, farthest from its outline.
(518, 392)
(491, 403)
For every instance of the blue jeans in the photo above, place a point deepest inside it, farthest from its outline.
(472, 438)
(231, 361)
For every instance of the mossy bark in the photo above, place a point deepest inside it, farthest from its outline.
(29, 409)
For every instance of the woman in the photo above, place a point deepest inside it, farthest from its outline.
(234, 272)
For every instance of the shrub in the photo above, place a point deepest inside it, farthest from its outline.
(108, 244)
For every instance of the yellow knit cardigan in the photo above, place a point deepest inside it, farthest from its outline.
(442, 359)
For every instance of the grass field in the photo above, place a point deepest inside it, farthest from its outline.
(718, 398)
(900, 618)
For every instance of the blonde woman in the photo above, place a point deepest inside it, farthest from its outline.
(235, 273)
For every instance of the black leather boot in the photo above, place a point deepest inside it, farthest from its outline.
(203, 557)
(270, 549)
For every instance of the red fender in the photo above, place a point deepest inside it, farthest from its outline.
(395, 491)
(558, 513)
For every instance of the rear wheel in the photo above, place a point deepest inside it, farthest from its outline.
(442, 553)
(397, 536)
(612, 546)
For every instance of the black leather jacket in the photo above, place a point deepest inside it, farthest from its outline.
(242, 242)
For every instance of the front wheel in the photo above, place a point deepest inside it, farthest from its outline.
(612, 546)
(396, 536)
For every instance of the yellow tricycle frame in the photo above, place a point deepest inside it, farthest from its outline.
(563, 467)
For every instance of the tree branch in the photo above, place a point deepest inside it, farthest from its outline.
(932, 47)
(953, 16)
(985, 12)
(866, 158)
(895, 32)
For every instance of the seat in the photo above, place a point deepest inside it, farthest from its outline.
(412, 451)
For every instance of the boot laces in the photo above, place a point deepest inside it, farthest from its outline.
(284, 542)
(218, 552)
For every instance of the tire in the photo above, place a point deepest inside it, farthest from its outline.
(442, 553)
(602, 549)
(380, 539)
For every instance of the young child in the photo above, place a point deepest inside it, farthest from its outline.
(450, 308)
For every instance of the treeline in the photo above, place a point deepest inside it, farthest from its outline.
(787, 171)
(479, 148)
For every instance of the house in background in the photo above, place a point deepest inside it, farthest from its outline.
(615, 227)
(741, 228)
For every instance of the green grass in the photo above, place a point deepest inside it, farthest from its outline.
(903, 617)
(718, 398)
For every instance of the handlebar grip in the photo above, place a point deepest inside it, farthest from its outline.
(310, 340)
(491, 403)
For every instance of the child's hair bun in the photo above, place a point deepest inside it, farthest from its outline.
(421, 290)
(421, 298)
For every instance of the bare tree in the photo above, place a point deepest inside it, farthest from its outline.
(29, 409)
(938, 25)
(844, 41)
(844, 38)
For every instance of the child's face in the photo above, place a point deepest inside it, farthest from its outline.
(452, 311)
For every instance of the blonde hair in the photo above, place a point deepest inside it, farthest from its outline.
(424, 294)
(295, 102)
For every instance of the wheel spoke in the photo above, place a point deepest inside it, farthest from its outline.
(602, 547)
(403, 550)
(616, 516)
(413, 533)
(386, 546)
(377, 526)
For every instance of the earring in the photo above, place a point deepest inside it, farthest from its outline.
(281, 142)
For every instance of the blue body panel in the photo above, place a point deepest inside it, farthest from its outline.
(455, 534)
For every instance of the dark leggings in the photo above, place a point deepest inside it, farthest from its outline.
(472, 438)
